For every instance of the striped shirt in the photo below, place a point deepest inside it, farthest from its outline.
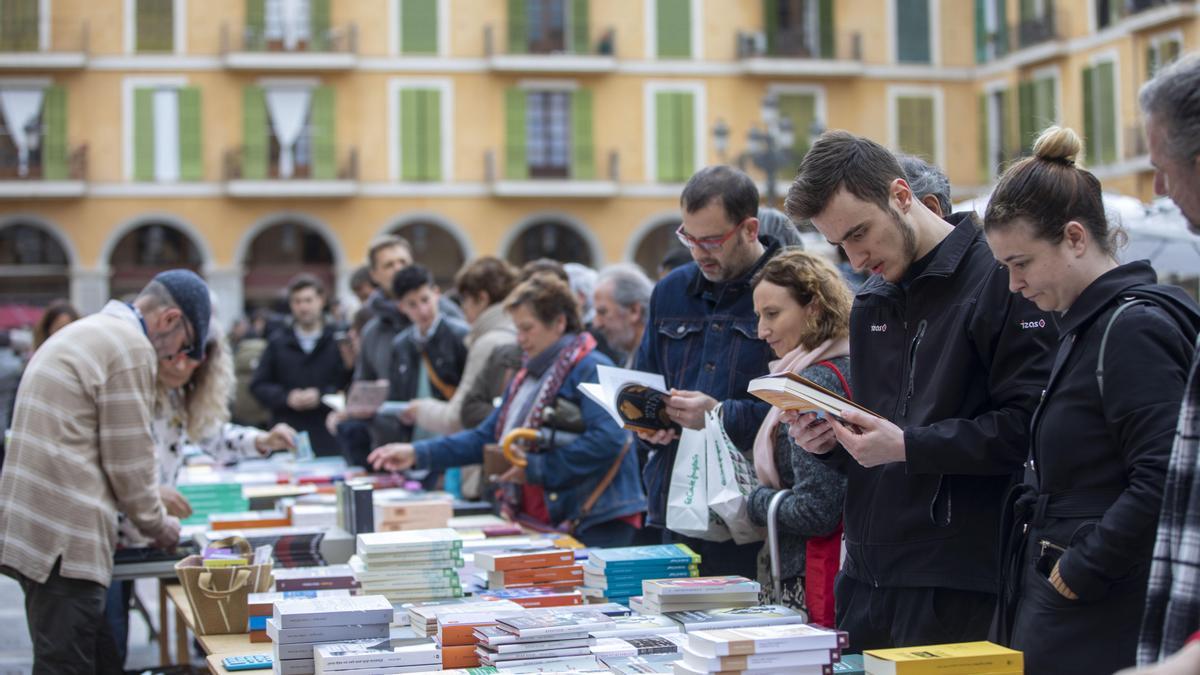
(81, 450)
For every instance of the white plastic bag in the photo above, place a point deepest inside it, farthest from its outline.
(731, 480)
(687, 497)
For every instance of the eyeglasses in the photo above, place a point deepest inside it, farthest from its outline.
(190, 339)
(706, 243)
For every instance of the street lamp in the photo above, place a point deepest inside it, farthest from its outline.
(768, 147)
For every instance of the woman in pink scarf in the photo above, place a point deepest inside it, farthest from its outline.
(803, 309)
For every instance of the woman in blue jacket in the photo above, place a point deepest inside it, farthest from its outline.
(1080, 529)
(575, 455)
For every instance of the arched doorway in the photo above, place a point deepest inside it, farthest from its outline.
(147, 250)
(34, 270)
(278, 253)
(551, 239)
(436, 248)
(656, 243)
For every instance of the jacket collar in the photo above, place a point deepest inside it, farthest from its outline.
(490, 319)
(947, 255)
(385, 308)
(700, 285)
(1100, 294)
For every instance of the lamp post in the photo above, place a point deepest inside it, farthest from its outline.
(768, 147)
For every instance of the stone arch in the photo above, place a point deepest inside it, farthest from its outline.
(430, 234)
(573, 228)
(306, 244)
(143, 246)
(37, 265)
(652, 240)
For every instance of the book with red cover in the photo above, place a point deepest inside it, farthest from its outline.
(526, 558)
(536, 576)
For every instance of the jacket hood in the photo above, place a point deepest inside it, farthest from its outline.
(1135, 280)
(385, 309)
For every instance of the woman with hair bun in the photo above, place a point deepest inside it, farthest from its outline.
(1079, 531)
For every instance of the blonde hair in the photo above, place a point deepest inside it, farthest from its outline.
(207, 395)
(812, 279)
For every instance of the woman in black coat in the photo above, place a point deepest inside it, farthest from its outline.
(1080, 530)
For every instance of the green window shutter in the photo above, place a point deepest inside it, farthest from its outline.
(143, 134)
(802, 110)
(665, 153)
(1044, 110)
(1151, 61)
(515, 166)
(981, 33)
(1089, 116)
(583, 150)
(686, 142)
(191, 150)
(518, 29)
(420, 135)
(1106, 95)
(770, 9)
(324, 163)
(1026, 106)
(985, 162)
(19, 25)
(828, 36)
(912, 31)
(256, 24)
(580, 35)
(1001, 27)
(410, 135)
(674, 28)
(254, 133)
(1011, 124)
(431, 119)
(1170, 49)
(155, 25)
(319, 23)
(418, 26)
(916, 126)
(54, 139)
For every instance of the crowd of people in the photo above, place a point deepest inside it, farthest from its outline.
(1030, 475)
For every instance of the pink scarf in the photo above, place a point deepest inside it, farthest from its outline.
(794, 361)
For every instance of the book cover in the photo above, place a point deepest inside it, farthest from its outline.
(633, 665)
(541, 644)
(851, 664)
(551, 623)
(407, 541)
(459, 629)
(320, 612)
(633, 556)
(390, 653)
(766, 639)
(789, 391)
(313, 578)
(637, 625)
(523, 559)
(562, 664)
(636, 400)
(493, 658)
(694, 603)
(459, 656)
(324, 633)
(259, 604)
(537, 596)
(737, 617)
(962, 658)
(682, 667)
(699, 586)
(536, 575)
(789, 659)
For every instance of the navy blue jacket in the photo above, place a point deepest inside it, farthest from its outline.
(568, 473)
(703, 337)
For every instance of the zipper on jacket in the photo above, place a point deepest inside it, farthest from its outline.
(1046, 543)
(912, 365)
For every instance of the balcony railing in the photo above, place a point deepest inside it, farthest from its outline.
(338, 40)
(542, 179)
(788, 45)
(1032, 31)
(235, 168)
(66, 44)
(551, 41)
(306, 180)
(35, 166)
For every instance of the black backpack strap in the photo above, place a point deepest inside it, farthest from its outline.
(1125, 304)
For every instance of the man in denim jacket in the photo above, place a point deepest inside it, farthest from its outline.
(702, 338)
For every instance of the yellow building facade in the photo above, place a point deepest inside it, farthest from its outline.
(253, 139)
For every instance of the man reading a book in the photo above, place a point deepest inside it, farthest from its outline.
(701, 337)
(954, 363)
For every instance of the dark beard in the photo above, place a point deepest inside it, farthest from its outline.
(907, 235)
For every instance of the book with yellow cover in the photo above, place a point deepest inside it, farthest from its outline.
(789, 391)
(962, 658)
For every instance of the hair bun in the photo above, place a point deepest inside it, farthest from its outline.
(1058, 144)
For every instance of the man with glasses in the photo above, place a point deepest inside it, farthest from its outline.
(81, 451)
(702, 338)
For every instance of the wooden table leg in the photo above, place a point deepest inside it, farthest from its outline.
(183, 652)
(164, 650)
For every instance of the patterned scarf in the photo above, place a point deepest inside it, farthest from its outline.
(571, 348)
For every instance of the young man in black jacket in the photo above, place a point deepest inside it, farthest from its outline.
(954, 363)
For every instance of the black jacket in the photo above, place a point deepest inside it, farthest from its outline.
(958, 362)
(284, 366)
(447, 354)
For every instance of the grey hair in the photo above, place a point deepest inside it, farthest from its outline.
(1173, 98)
(775, 223)
(155, 295)
(583, 282)
(631, 286)
(926, 179)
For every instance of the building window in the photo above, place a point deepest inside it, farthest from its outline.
(1162, 51)
(801, 108)
(1107, 12)
(419, 26)
(914, 31)
(991, 30)
(33, 133)
(1037, 108)
(549, 135)
(675, 133)
(277, 254)
(436, 248)
(155, 26)
(420, 134)
(146, 251)
(166, 134)
(552, 240)
(288, 132)
(799, 28)
(1100, 113)
(915, 129)
(34, 269)
(996, 129)
(19, 26)
(673, 28)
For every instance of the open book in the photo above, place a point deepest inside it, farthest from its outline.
(366, 398)
(789, 391)
(636, 400)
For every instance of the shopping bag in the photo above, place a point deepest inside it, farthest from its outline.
(219, 595)
(731, 479)
(687, 496)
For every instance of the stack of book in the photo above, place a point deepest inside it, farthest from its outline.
(530, 566)
(409, 566)
(293, 546)
(660, 596)
(617, 573)
(423, 616)
(538, 637)
(409, 513)
(961, 658)
(635, 665)
(792, 650)
(323, 578)
(313, 515)
(211, 497)
(374, 657)
(456, 636)
(261, 608)
(298, 626)
(248, 519)
(639, 625)
(737, 617)
(613, 647)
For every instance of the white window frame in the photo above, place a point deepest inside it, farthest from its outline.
(128, 86)
(445, 87)
(178, 17)
(650, 20)
(1113, 56)
(650, 120)
(994, 122)
(894, 92)
(395, 41)
(935, 34)
(43, 25)
(1156, 41)
(817, 90)
(1055, 73)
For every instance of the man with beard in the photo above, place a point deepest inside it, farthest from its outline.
(954, 363)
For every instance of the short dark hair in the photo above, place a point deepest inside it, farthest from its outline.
(410, 279)
(543, 266)
(737, 192)
(839, 159)
(488, 274)
(361, 276)
(384, 242)
(303, 281)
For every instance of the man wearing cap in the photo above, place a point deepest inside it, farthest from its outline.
(82, 450)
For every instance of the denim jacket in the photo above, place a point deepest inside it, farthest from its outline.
(703, 337)
(567, 473)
